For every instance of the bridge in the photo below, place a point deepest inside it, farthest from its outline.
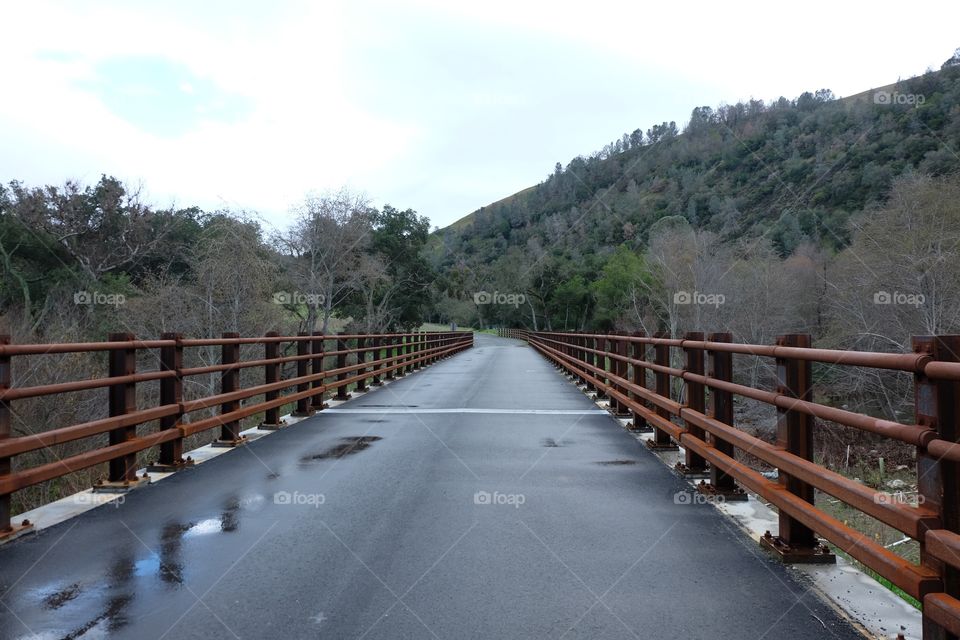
(451, 485)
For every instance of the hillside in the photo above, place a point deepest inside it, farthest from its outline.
(508, 201)
(791, 171)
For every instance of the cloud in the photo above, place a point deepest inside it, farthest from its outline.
(438, 106)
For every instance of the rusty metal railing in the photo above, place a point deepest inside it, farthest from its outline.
(618, 366)
(361, 359)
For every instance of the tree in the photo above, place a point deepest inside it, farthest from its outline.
(622, 290)
(327, 242)
(953, 61)
(101, 228)
(900, 276)
(399, 238)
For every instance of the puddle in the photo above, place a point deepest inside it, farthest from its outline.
(608, 463)
(59, 598)
(273, 476)
(166, 563)
(550, 442)
(112, 615)
(113, 596)
(347, 446)
(374, 420)
(112, 619)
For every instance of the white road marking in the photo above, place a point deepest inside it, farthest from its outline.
(536, 412)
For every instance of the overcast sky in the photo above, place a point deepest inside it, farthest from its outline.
(435, 105)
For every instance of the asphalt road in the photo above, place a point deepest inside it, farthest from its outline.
(531, 514)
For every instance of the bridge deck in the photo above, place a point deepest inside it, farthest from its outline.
(399, 547)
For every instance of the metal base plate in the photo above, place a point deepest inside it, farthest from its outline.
(687, 473)
(653, 445)
(735, 495)
(107, 486)
(156, 467)
(16, 531)
(242, 440)
(272, 427)
(644, 429)
(820, 554)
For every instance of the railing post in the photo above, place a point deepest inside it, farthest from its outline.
(600, 362)
(796, 542)
(411, 352)
(171, 392)
(377, 355)
(720, 367)
(589, 359)
(693, 465)
(342, 392)
(937, 405)
(271, 374)
(303, 364)
(123, 400)
(620, 370)
(391, 354)
(402, 349)
(6, 466)
(362, 360)
(230, 382)
(661, 356)
(316, 366)
(418, 349)
(578, 355)
(639, 378)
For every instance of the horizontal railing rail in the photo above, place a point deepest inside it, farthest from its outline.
(360, 360)
(701, 420)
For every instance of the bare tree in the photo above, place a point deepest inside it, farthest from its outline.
(328, 241)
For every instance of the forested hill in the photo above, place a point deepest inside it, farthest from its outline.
(793, 171)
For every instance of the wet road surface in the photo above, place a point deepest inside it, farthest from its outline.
(484, 497)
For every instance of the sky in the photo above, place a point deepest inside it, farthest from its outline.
(438, 106)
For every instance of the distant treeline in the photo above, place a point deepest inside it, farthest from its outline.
(80, 261)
